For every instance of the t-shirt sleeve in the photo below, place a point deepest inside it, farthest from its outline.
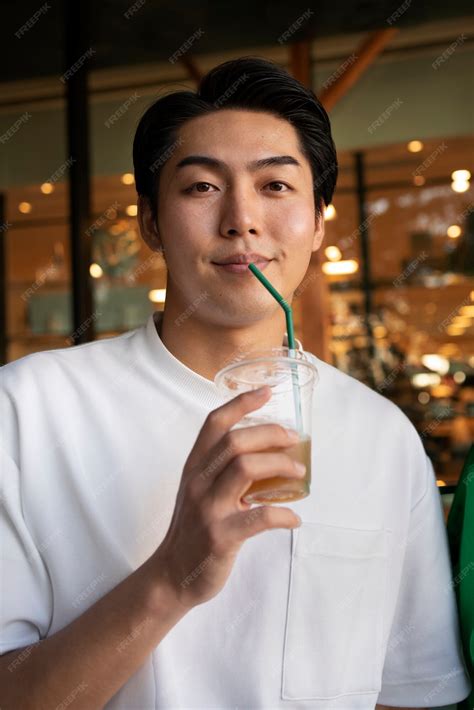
(25, 592)
(424, 666)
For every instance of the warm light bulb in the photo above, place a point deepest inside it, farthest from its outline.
(128, 179)
(460, 185)
(25, 207)
(333, 253)
(415, 146)
(340, 268)
(453, 231)
(157, 295)
(95, 271)
(131, 210)
(330, 213)
(460, 175)
(47, 188)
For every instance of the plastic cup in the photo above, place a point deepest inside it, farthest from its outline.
(276, 367)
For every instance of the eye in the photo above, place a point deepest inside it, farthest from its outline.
(196, 187)
(279, 184)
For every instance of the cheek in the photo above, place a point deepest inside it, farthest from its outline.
(294, 222)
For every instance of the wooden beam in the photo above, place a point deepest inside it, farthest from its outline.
(357, 63)
(313, 298)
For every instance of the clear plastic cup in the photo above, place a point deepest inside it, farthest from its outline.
(292, 378)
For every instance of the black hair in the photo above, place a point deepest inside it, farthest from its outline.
(250, 83)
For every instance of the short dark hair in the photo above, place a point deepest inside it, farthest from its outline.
(250, 83)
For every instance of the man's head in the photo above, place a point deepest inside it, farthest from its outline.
(245, 164)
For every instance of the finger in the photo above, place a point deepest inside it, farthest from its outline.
(238, 476)
(241, 441)
(244, 525)
(220, 420)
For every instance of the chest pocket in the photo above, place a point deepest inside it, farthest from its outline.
(334, 623)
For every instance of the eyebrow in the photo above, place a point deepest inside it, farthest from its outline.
(254, 165)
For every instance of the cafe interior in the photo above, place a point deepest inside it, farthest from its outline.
(389, 297)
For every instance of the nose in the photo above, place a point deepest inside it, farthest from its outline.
(240, 212)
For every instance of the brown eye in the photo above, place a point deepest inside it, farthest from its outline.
(197, 187)
(280, 185)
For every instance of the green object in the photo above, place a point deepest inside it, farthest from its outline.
(461, 543)
(278, 297)
(291, 339)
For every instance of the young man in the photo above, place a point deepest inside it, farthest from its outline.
(133, 574)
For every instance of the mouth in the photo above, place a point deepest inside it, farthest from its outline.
(243, 268)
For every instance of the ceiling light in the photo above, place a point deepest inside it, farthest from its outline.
(339, 268)
(157, 295)
(453, 231)
(415, 146)
(95, 271)
(330, 213)
(333, 253)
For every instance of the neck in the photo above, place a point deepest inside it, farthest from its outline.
(206, 347)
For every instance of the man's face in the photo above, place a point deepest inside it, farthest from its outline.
(208, 212)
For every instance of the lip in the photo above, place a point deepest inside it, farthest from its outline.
(249, 258)
(244, 268)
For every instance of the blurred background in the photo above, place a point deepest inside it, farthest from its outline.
(389, 298)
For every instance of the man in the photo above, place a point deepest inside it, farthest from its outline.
(134, 573)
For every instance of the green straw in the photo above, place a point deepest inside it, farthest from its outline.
(291, 340)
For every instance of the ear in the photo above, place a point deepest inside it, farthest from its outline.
(319, 229)
(148, 226)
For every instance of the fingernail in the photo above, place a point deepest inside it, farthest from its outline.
(261, 391)
(300, 467)
(293, 435)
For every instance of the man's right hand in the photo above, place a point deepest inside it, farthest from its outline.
(210, 520)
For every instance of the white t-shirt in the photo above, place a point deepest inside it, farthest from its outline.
(354, 606)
